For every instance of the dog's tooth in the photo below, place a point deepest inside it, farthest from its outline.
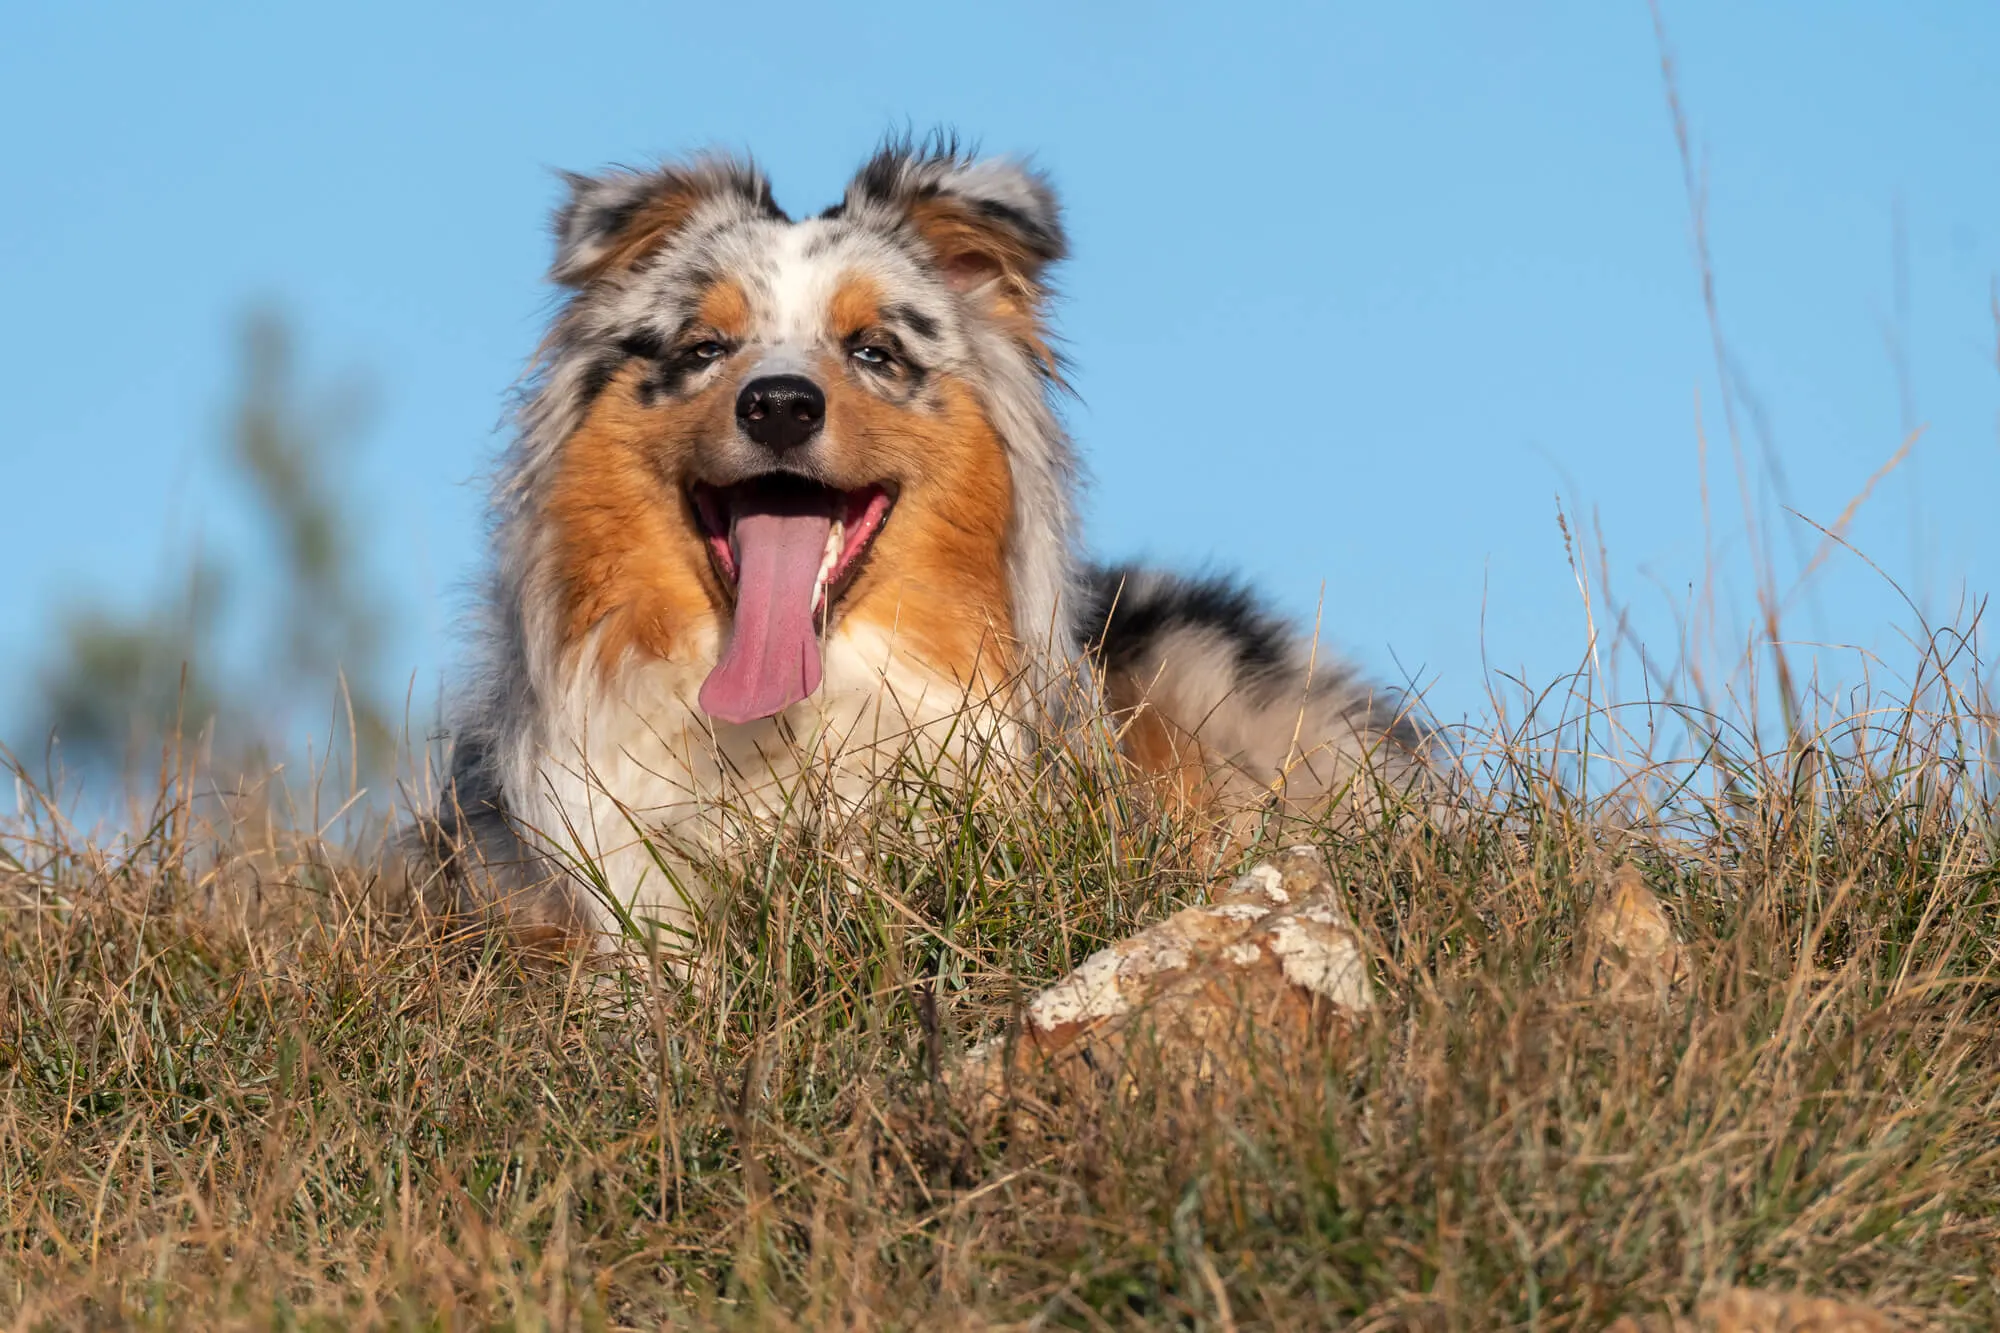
(836, 537)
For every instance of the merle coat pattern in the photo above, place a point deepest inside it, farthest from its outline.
(667, 650)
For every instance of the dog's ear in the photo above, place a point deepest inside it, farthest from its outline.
(992, 225)
(613, 220)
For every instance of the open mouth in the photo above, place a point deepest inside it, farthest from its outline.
(787, 548)
(851, 519)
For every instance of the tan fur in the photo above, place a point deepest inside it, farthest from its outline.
(725, 309)
(630, 556)
(936, 577)
(652, 224)
(1190, 721)
(1172, 765)
(1167, 760)
(634, 566)
(974, 254)
(856, 306)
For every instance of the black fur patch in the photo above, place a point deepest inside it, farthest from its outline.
(646, 344)
(473, 817)
(597, 374)
(470, 854)
(884, 176)
(1043, 243)
(919, 323)
(1125, 614)
(666, 373)
(906, 171)
(600, 208)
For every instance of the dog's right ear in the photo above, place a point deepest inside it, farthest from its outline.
(612, 221)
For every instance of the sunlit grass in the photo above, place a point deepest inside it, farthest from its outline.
(241, 1086)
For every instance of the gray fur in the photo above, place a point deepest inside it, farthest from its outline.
(1272, 711)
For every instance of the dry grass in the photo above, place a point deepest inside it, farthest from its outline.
(240, 1089)
(237, 1091)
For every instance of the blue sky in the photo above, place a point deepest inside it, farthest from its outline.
(1458, 237)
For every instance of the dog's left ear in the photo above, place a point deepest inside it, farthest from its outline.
(992, 225)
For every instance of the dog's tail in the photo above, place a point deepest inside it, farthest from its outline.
(1226, 699)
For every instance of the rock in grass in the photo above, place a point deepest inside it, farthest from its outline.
(1627, 949)
(1738, 1310)
(1247, 983)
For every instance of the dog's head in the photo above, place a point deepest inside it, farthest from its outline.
(776, 429)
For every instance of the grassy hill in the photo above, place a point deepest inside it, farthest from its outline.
(240, 1088)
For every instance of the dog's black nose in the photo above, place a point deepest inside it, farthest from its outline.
(781, 411)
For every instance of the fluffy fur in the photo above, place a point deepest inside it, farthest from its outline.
(916, 309)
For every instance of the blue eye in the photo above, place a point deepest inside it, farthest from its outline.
(708, 351)
(871, 355)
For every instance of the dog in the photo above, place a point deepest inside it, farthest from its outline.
(789, 497)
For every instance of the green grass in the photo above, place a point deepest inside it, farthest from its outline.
(237, 1089)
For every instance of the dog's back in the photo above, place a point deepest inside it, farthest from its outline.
(1225, 702)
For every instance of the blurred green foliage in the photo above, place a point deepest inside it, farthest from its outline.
(120, 687)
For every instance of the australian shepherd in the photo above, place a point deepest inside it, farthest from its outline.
(788, 495)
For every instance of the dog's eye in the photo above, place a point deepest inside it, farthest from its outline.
(707, 351)
(869, 354)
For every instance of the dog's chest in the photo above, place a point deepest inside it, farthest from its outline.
(633, 757)
(658, 753)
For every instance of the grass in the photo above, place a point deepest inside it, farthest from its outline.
(237, 1089)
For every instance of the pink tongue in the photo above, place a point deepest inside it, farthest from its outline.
(771, 659)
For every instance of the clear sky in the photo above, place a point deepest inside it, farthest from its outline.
(1358, 290)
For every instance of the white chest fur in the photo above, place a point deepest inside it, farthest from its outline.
(630, 769)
